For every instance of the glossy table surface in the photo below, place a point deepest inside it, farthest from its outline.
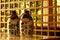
(4, 36)
(26, 38)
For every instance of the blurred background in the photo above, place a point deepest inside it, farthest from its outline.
(45, 14)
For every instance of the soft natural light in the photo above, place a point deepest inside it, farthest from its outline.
(58, 2)
(45, 21)
(27, 4)
(39, 11)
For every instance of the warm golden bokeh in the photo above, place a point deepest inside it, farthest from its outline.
(45, 14)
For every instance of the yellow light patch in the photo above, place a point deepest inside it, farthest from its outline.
(17, 11)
